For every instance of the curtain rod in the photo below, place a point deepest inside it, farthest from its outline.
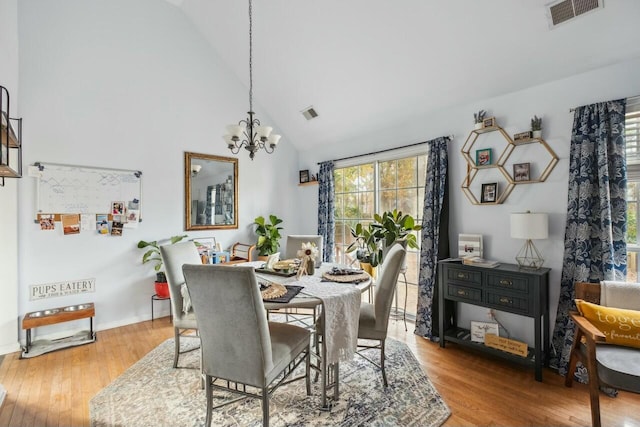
(448, 137)
(635, 98)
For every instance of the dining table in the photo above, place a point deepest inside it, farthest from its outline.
(339, 303)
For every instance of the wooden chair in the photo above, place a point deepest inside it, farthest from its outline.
(241, 252)
(608, 365)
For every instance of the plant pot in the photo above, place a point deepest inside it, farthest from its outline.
(369, 269)
(478, 125)
(537, 133)
(162, 289)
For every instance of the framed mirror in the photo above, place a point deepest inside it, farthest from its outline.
(211, 192)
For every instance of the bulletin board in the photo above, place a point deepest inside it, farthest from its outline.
(71, 189)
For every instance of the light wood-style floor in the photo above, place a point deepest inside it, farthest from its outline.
(54, 389)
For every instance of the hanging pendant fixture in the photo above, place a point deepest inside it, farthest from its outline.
(249, 133)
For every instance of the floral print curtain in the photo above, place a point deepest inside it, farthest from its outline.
(326, 220)
(594, 242)
(435, 235)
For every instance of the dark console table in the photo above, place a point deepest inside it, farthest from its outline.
(504, 288)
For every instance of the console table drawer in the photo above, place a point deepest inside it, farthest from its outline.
(512, 283)
(467, 276)
(513, 304)
(463, 293)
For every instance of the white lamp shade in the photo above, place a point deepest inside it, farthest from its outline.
(263, 131)
(235, 130)
(274, 139)
(196, 168)
(529, 225)
(228, 140)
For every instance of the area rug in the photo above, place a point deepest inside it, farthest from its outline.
(152, 393)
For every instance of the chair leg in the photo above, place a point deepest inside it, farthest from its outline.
(209, 394)
(384, 374)
(308, 370)
(594, 385)
(265, 406)
(176, 355)
(573, 358)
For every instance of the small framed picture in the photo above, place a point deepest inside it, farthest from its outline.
(480, 329)
(489, 122)
(521, 172)
(483, 157)
(489, 193)
(469, 245)
(304, 176)
(117, 208)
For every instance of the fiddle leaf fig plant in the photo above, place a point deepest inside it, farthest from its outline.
(153, 255)
(268, 235)
(396, 226)
(367, 244)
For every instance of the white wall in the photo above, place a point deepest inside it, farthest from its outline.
(9, 193)
(129, 85)
(513, 111)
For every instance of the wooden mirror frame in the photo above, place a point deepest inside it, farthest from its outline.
(207, 161)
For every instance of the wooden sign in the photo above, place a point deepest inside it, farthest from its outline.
(505, 344)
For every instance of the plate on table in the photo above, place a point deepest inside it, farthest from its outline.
(282, 273)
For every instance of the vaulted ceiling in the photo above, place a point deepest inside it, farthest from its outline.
(366, 65)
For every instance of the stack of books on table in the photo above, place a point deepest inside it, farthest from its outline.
(480, 262)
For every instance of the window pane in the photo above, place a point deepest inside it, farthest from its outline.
(350, 179)
(408, 202)
(367, 180)
(387, 174)
(338, 180)
(338, 206)
(420, 202)
(422, 171)
(351, 205)
(632, 222)
(367, 204)
(387, 200)
(407, 172)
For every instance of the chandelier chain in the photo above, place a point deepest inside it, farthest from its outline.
(250, 57)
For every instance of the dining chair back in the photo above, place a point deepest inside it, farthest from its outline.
(374, 318)
(239, 345)
(173, 257)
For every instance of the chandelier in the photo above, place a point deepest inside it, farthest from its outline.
(249, 133)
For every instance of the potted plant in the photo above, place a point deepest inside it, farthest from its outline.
(268, 235)
(478, 119)
(536, 126)
(368, 247)
(153, 255)
(397, 227)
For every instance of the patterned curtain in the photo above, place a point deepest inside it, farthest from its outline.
(435, 236)
(326, 219)
(594, 245)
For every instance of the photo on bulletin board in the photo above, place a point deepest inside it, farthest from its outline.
(47, 222)
(70, 223)
(102, 224)
(117, 208)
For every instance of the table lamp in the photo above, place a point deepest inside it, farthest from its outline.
(529, 226)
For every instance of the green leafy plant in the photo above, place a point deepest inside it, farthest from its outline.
(268, 235)
(536, 123)
(479, 116)
(153, 255)
(367, 243)
(396, 226)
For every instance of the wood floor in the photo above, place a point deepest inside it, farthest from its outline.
(54, 389)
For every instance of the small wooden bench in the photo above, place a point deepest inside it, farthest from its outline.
(53, 316)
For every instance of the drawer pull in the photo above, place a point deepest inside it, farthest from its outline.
(462, 276)
(506, 282)
(461, 292)
(505, 300)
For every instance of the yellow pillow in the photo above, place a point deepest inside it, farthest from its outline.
(620, 326)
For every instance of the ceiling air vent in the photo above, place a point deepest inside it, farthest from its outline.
(562, 11)
(309, 113)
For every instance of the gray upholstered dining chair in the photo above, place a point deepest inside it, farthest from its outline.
(374, 318)
(240, 347)
(294, 243)
(184, 320)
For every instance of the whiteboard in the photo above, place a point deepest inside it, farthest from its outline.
(63, 189)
